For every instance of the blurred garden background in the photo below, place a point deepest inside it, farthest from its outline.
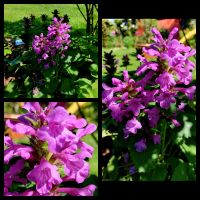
(86, 110)
(123, 39)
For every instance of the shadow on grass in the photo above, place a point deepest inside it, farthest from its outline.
(37, 27)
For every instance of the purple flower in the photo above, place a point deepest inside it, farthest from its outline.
(57, 137)
(165, 99)
(181, 107)
(45, 175)
(132, 126)
(166, 81)
(156, 139)
(12, 174)
(153, 116)
(132, 170)
(56, 42)
(135, 106)
(140, 146)
(17, 150)
(176, 123)
(189, 92)
(85, 191)
(75, 168)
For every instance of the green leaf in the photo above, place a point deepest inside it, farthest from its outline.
(186, 130)
(48, 74)
(145, 161)
(94, 70)
(67, 87)
(72, 71)
(180, 173)
(190, 152)
(38, 95)
(159, 173)
(51, 86)
(112, 168)
(83, 81)
(95, 88)
(9, 88)
(16, 61)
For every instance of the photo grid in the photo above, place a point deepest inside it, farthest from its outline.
(94, 103)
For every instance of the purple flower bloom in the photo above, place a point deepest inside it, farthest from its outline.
(156, 139)
(153, 116)
(176, 123)
(17, 150)
(181, 107)
(45, 175)
(131, 127)
(12, 174)
(189, 92)
(56, 42)
(166, 81)
(85, 191)
(132, 170)
(165, 99)
(140, 146)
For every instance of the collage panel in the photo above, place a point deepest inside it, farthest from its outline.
(50, 149)
(51, 50)
(149, 99)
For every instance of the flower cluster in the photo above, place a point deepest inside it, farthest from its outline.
(56, 153)
(56, 42)
(162, 81)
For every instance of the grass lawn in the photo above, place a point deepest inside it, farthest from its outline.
(14, 13)
(119, 52)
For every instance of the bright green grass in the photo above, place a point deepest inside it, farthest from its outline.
(119, 52)
(134, 63)
(16, 12)
(94, 160)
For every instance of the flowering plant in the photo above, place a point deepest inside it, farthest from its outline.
(55, 155)
(55, 60)
(148, 107)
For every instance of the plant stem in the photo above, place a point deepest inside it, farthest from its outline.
(163, 138)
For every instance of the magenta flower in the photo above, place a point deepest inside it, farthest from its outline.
(166, 81)
(56, 42)
(165, 99)
(13, 150)
(156, 139)
(55, 139)
(132, 126)
(85, 191)
(153, 116)
(12, 174)
(45, 175)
